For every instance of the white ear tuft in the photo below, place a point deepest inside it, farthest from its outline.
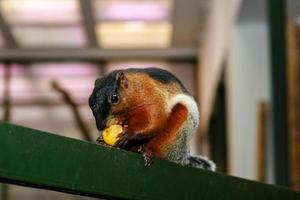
(186, 100)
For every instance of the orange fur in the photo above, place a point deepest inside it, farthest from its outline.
(144, 104)
(160, 144)
(141, 104)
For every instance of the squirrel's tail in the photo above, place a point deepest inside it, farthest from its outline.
(201, 162)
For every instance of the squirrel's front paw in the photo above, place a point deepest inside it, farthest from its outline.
(100, 140)
(123, 139)
(148, 156)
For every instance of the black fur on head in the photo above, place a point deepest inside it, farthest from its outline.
(99, 99)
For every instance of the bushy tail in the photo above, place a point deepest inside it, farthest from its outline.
(201, 162)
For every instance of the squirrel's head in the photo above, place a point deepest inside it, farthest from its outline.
(134, 98)
(125, 99)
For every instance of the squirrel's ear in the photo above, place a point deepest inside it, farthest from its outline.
(122, 80)
(96, 81)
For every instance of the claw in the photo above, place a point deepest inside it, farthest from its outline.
(140, 150)
(148, 156)
(100, 140)
(123, 140)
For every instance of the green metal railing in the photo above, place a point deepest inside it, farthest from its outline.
(37, 159)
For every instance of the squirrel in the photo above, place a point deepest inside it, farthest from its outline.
(157, 113)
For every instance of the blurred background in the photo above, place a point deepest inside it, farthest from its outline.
(239, 58)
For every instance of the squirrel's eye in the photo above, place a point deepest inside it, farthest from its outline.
(114, 99)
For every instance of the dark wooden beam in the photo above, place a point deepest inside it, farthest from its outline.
(37, 55)
(10, 41)
(277, 33)
(89, 21)
(193, 12)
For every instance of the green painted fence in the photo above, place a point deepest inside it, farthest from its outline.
(37, 159)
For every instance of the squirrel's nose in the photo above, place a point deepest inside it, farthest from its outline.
(101, 125)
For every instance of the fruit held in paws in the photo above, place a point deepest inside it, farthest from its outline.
(110, 134)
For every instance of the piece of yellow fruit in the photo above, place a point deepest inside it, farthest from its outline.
(110, 134)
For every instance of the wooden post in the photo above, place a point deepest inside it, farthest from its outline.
(261, 137)
(294, 102)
